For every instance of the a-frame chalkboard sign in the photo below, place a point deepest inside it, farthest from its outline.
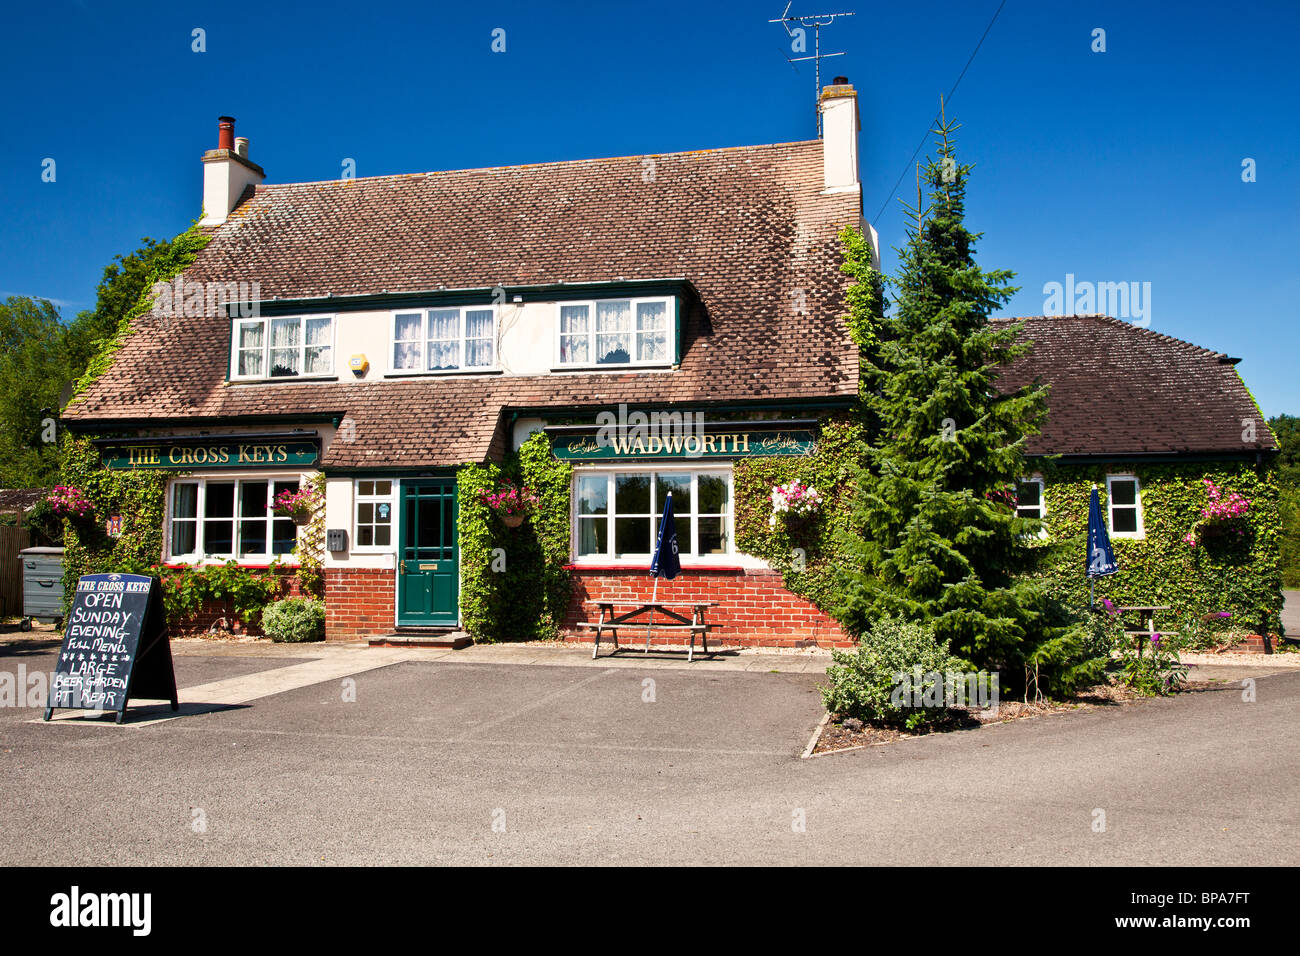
(115, 646)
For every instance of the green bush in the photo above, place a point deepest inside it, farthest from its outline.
(294, 620)
(863, 682)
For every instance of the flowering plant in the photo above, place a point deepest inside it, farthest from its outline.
(510, 501)
(1156, 673)
(69, 502)
(795, 498)
(1219, 516)
(294, 504)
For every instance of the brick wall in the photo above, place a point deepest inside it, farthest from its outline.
(754, 606)
(358, 603)
(214, 612)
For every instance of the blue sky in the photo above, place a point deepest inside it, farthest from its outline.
(1122, 166)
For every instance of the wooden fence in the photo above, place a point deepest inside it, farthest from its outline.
(12, 540)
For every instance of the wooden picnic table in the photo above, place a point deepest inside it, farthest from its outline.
(1146, 629)
(611, 621)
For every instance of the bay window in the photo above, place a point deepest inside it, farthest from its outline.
(282, 347)
(618, 512)
(444, 340)
(229, 518)
(616, 332)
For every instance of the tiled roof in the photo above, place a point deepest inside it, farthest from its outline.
(746, 226)
(1118, 389)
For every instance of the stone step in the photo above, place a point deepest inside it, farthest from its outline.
(422, 637)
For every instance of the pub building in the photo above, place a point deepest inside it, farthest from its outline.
(404, 326)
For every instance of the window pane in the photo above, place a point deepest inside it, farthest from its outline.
(365, 536)
(574, 318)
(183, 537)
(573, 348)
(442, 355)
(252, 537)
(408, 329)
(632, 494)
(383, 488)
(284, 535)
(613, 332)
(593, 536)
(318, 331)
(252, 499)
(366, 513)
(1123, 492)
(712, 490)
(250, 363)
(478, 353)
(1124, 520)
(632, 536)
(383, 535)
(185, 501)
(593, 495)
(444, 324)
(478, 323)
(365, 488)
(319, 359)
(285, 338)
(1027, 494)
(652, 331)
(713, 535)
(680, 486)
(250, 335)
(218, 513)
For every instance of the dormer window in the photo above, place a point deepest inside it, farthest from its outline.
(282, 347)
(616, 332)
(444, 340)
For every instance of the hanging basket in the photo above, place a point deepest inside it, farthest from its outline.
(514, 520)
(299, 516)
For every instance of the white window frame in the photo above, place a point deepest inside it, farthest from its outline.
(670, 313)
(389, 499)
(1042, 503)
(265, 374)
(1137, 506)
(461, 368)
(213, 557)
(688, 556)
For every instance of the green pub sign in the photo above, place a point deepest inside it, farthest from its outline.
(207, 452)
(722, 444)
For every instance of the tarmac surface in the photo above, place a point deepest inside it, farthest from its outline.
(527, 754)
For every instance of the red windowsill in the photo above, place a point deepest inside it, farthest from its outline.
(637, 569)
(173, 566)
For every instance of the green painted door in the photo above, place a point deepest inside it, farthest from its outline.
(428, 568)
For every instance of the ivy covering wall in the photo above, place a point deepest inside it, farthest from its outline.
(805, 551)
(514, 581)
(1237, 574)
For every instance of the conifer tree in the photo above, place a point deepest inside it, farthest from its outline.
(934, 527)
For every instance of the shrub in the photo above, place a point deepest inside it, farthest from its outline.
(295, 620)
(863, 683)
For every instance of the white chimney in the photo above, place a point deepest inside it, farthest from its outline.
(227, 171)
(840, 125)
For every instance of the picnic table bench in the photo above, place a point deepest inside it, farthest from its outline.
(1146, 629)
(642, 615)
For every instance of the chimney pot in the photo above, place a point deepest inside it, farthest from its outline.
(841, 80)
(241, 146)
(226, 133)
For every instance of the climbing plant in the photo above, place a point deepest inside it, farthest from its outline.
(515, 581)
(1236, 574)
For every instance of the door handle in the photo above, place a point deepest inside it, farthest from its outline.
(401, 567)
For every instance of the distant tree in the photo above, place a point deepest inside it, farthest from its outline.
(125, 279)
(33, 370)
(1286, 428)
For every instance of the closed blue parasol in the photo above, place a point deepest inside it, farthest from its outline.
(1101, 557)
(665, 563)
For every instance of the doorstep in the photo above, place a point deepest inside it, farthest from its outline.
(422, 637)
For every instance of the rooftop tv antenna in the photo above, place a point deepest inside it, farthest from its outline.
(816, 21)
